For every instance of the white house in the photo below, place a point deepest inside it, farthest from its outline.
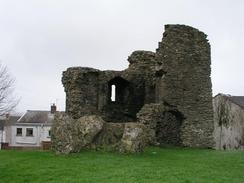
(31, 130)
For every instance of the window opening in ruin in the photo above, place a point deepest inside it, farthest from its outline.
(113, 93)
(118, 90)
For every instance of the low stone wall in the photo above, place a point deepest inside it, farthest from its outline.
(71, 135)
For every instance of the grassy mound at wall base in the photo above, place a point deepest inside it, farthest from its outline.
(154, 165)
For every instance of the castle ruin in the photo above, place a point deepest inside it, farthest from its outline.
(169, 90)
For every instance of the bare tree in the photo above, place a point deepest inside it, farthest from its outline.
(7, 101)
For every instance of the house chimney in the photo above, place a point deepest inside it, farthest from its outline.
(53, 108)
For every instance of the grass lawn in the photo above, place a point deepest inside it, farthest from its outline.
(154, 165)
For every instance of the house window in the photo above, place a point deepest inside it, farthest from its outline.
(49, 133)
(19, 132)
(29, 132)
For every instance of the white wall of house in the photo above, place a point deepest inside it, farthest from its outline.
(40, 133)
(230, 136)
(23, 140)
(45, 133)
(2, 136)
(8, 132)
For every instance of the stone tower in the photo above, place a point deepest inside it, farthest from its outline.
(184, 58)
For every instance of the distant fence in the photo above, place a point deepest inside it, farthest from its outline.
(46, 145)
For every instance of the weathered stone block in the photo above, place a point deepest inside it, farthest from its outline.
(87, 128)
(110, 135)
(62, 133)
(135, 138)
(71, 135)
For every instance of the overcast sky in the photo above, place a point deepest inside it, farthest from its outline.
(41, 38)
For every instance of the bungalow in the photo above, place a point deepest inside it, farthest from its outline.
(31, 130)
(228, 122)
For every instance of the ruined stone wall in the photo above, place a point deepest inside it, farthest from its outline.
(88, 91)
(176, 76)
(142, 69)
(164, 123)
(184, 63)
(92, 132)
(129, 95)
(81, 87)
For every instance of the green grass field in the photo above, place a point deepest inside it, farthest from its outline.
(154, 165)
